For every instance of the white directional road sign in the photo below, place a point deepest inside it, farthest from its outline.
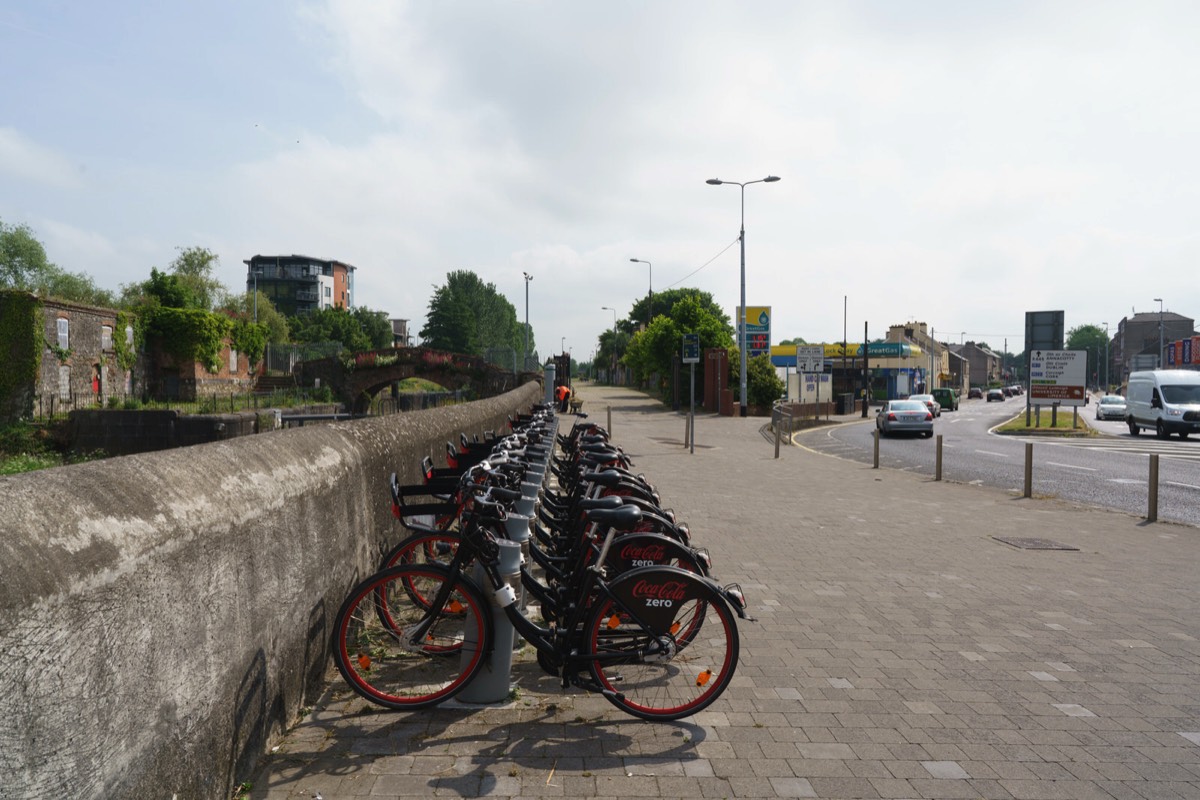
(1057, 377)
(810, 358)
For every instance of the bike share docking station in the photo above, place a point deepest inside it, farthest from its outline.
(493, 683)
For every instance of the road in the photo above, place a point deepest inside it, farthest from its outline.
(1109, 471)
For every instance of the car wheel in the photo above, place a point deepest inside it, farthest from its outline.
(1160, 431)
(1183, 434)
(928, 434)
(1134, 430)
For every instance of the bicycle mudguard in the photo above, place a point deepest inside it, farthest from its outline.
(632, 550)
(654, 595)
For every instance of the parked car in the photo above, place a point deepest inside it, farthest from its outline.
(933, 405)
(1111, 406)
(995, 394)
(904, 416)
(947, 398)
(975, 393)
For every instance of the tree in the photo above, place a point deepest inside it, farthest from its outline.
(193, 268)
(651, 351)
(763, 384)
(24, 265)
(331, 325)
(242, 305)
(375, 326)
(469, 316)
(1090, 338)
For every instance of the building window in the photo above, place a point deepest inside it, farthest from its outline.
(328, 291)
(129, 335)
(106, 337)
(232, 360)
(64, 335)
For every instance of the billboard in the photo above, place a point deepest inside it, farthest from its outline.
(758, 329)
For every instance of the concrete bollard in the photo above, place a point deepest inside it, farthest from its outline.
(876, 435)
(493, 683)
(1029, 469)
(937, 472)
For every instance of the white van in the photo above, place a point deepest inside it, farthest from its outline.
(1166, 400)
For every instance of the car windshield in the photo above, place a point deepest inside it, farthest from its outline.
(1182, 394)
(1112, 400)
(907, 405)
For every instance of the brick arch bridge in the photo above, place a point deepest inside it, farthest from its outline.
(356, 380)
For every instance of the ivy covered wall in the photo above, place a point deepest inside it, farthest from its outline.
(21, 334)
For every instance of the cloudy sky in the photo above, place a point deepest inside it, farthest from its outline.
(957, 163)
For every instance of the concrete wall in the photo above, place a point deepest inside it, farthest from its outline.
(163, 616)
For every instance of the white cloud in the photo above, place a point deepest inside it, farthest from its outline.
(28, 160)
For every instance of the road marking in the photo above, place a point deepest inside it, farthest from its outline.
(1182, 485)
(990, 453)
(1069, 466)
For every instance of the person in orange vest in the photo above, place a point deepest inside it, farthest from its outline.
(562, 394)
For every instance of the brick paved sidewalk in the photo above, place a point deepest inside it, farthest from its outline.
(899, 652)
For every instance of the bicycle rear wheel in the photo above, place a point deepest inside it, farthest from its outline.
(693, 628)
(372, 636)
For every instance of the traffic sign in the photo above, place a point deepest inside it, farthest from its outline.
(1057, 377)
(691, 348)
(810, 358)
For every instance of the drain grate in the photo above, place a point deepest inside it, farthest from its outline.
(1025, 543)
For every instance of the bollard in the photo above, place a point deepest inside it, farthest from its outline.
(876, 466)
(608, 426)
(777, 428)
(937, 471)
(1152, 507)
(492, 684)
(1029, 469)
(687, 430)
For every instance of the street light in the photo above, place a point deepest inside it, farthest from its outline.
(613, 358)
(525, 355)
(1161, 361)
(742, 238)
(650, 310)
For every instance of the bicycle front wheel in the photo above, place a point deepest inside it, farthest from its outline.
(373, 644)
(663, 643)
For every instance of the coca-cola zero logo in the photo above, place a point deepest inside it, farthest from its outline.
(670, 590)
(647, 552)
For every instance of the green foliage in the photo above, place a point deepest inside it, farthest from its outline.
(242, 305)
(24, 265)
(250, 339)
(336, 325)
(168, 291)
(375, 326)
(469, 316)
(193, 270)
(189, 334)
(763, 384)
(21, 334)
(651, 351)
(126, 353)
(664, 303)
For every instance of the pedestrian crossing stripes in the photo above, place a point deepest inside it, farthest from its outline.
(1184, 451)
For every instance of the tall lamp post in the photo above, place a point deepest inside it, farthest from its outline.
(613, 360)
(650, 310)
(1162, 362)
(742, 239)
(525, 355)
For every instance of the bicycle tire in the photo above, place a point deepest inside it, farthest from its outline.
(369, 647)
(666, 601)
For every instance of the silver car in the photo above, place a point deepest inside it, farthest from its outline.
(1111, 406)
(930, 402)
(904, 416)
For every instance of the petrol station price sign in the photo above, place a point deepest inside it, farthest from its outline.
(1057, 377)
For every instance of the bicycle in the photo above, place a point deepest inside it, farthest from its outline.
(658, 642)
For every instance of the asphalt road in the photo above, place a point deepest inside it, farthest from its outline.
(1108, 471)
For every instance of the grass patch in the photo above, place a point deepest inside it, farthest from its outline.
(1062, 425)
(26, 447)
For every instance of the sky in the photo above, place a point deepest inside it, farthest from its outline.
(952, 163)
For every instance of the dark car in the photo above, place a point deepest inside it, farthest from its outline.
(995, 394)
(975, 393)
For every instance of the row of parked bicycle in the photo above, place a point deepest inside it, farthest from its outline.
(628, 607)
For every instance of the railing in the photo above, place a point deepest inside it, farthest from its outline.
(781, 416)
